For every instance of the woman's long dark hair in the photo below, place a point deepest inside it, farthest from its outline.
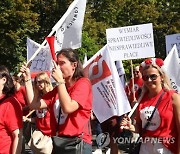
(9, 87)
(72, 56)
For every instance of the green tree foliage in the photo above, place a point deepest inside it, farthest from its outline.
(49, 11)
(118, 13)
(35, 19)
(17, 21)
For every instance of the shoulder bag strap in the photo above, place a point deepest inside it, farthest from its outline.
(149, 119)
(156, 106)
(59, 115)
(57, 128)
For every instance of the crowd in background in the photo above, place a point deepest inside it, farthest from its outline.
(24, 100)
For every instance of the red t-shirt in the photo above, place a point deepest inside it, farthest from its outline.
(10, 120)
(163, 122)
(21, 97)
(77, 122)
(43, 122)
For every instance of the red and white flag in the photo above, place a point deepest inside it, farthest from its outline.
(109, 98)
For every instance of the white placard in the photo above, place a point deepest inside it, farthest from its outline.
(171, 40)
(131, 42)
(42, 61)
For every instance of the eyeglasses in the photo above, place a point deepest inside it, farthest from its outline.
(153, 77)
(40, 82)
(136, 72)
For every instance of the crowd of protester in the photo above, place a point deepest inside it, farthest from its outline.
(65, 109)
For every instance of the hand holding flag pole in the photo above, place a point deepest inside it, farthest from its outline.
(132, 74)
(135, 106)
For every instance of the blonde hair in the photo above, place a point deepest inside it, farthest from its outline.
(47, 84)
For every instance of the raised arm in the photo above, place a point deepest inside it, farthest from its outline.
(33, 102)
(68, 105)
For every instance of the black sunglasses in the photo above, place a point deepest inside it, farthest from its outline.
(152, 77)
(136, 72)
(40, 82)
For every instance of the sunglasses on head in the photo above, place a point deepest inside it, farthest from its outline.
(152, 77)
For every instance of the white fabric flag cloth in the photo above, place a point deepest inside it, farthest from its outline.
(172, 68)
(121, 72)
(85, 58)
(120, 67)
(42, 61)
(109, 97)
(69, 27)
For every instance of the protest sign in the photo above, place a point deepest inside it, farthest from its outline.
(131, 42)
(42, 61)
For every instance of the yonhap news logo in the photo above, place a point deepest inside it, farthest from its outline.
(103, 140)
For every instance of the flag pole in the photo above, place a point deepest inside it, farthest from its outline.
(136, 104)
(132, 74)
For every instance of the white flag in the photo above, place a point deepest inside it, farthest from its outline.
(120, 67)
(121, 71)
(69, 27)
(172, 68)
(42, 61)
(109, 97)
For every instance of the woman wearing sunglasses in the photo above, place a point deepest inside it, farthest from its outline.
(42, 85)
(163, 133)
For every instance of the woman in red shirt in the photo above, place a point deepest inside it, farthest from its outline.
(73, 94)
(10, 115)
(163, 133)
(42, 85)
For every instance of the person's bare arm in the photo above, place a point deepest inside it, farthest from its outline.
(17, 141)
(33, 102)
(176, 109)
(68, 105)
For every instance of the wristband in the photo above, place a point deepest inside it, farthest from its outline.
(27, 80)
(60, 82)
